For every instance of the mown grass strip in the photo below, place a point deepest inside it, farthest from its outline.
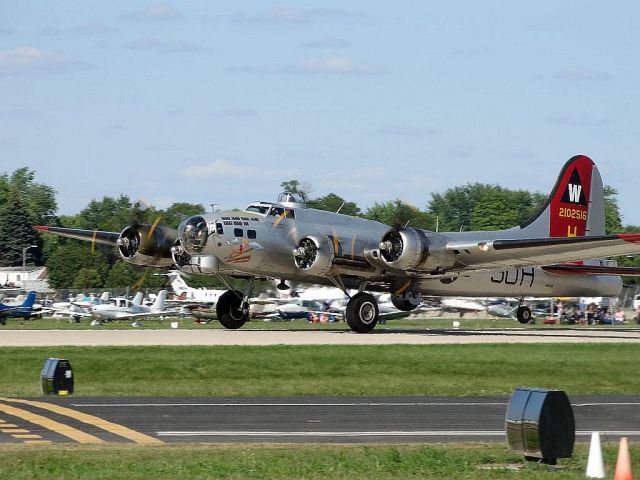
(343, 370)
(289, 462)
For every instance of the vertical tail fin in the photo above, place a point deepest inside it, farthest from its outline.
(575, 207)
(137, 299)
(29, 300)
(160, 303)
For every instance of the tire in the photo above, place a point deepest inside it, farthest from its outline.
(229, 310)
(402, 304)
(362, 312)
(524, 315)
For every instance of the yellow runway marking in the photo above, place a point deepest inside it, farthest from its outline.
(62, 429)
(13, 430)
(8, 425)
(111, 427)
(38, 442)
(28, 435)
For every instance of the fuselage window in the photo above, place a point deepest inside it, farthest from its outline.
(219, 228)
(251, 233)
(237, 232)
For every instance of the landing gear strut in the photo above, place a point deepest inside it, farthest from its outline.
(362, 312)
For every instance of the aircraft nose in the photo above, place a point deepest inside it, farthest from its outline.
(193, 234)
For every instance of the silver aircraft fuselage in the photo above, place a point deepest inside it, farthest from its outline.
(261, 244)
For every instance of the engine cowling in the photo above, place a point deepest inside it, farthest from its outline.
(147, 245)
(404, 248)
(314, 255)
(412, 249)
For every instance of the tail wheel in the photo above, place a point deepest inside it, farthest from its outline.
(231, 311)
(362, 312)
(524, 314)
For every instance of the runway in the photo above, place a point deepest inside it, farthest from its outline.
(291, 420)
(380, 336)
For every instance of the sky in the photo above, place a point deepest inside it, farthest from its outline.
(220, 102)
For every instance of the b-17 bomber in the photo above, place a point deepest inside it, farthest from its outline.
(560, 251)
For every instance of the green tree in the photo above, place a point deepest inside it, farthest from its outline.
(67, 261)
(294, 186)
(38, 199)
(483, 207)
(87, 277)
(612, 217)
(176, 213)
(399, 213)
(16, 231)
(332, 203)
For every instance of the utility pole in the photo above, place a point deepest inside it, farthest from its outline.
(24, 254)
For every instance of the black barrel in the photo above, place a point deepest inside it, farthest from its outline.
(540, 424)
(57, 377)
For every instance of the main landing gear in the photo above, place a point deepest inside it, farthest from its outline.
(232, 309)
(523, 314)
(362, 312)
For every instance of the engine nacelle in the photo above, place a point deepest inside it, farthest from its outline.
(407, 249)
(314, 255)
(147, 245)
(404, 248)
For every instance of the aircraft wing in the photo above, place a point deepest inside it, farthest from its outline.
(515, 253)
(95, 236)
(593, 270)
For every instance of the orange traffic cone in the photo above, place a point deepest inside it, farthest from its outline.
(623, 465)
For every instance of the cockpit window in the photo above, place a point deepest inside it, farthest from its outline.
(219, 228)
(261, 209)
(279, 212)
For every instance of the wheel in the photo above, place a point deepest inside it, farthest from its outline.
(524, 314)
(230, 311)
(362, 312)
(407, 301)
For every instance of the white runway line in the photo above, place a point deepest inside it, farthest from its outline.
(295, 404)
(417, 433)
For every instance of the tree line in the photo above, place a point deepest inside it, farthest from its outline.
(76, 264)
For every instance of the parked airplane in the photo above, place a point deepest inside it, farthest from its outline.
(184, 292)
(14, 309)
(131, 310)
(546, 256)
(461, 305)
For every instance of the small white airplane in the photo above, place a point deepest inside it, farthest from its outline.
(132, 309)
(184, 292)
(461, 305)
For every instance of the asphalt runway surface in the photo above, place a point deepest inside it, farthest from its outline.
(339, 420)
(314, 337)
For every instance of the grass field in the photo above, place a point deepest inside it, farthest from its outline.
(283, 370)
(308, 461)
(312, 370)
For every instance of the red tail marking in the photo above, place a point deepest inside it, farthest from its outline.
(570, 202)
